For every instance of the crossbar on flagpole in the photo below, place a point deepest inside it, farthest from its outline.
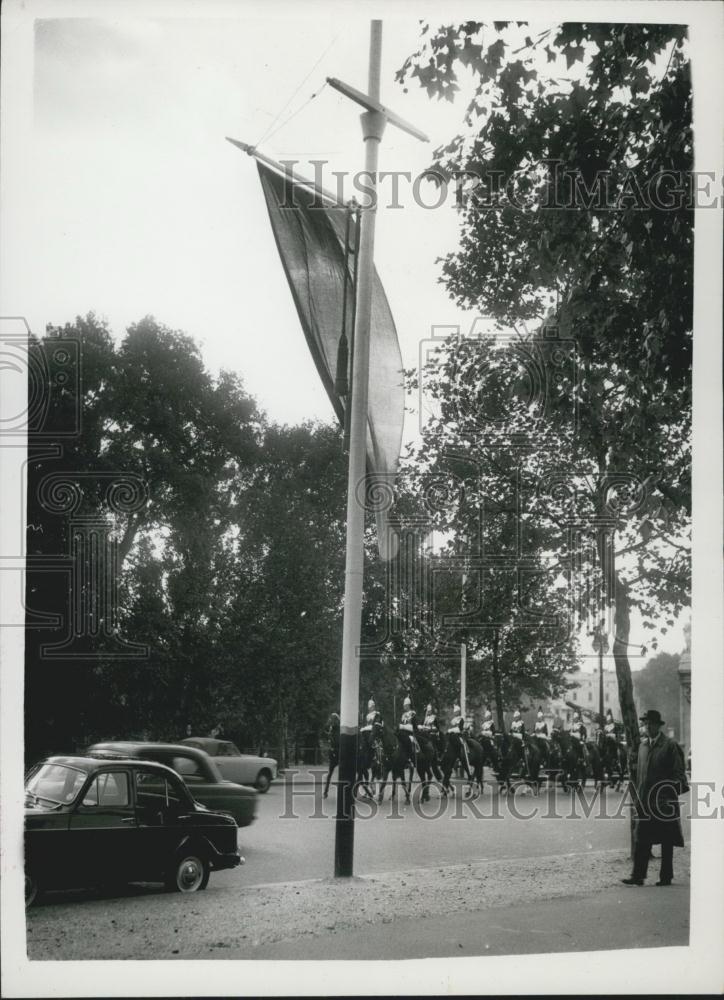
(371, 104)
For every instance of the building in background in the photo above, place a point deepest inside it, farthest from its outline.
(685, 690)
(585, 694)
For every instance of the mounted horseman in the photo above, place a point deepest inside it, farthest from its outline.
(407, 730)
(520, 753)
(580, 738)
(428, 757)
(369, 745)
(541, 738)
(488, 741)
(460, 747)
(332, 736)
(613, 753)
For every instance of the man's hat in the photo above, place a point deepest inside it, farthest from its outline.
(652, 716)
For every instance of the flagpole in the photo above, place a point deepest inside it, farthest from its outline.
(373, 123)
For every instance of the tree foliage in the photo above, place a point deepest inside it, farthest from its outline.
(577, 217)
(228, 566)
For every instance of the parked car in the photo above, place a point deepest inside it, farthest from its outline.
(234, 765)
(199, 772)
(90, 821)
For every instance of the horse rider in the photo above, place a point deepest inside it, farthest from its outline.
(430, 727)
(487, 730)
(458, 725)
(609, 726)
(517, 731)
(408, 726)
(578, 732)
(372, 717)
(540, 731)
(332, 732)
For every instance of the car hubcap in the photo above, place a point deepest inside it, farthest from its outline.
(190, 874)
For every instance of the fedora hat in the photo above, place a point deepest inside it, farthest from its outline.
(652, 716)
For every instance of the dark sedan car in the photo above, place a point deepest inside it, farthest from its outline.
(91, 821)
(199, 772)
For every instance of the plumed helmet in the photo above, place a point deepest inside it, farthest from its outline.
(540, 713)
(576, 717)
(516, 714)
(609, 713)
(371, 704)
(406, 703)
(429, 708)
(488, 714)
(456, 709)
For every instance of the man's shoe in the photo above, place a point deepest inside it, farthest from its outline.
(664, 881)
(632, 881)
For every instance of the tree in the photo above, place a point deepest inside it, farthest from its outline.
(159, 447)
(657, 686)
(568, 216)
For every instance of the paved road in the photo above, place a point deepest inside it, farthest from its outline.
(428, 883)
(279, 847)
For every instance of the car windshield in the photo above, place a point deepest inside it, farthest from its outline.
(56, 783)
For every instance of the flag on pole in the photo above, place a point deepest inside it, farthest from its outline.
(318, 257)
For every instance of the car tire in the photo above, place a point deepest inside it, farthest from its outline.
(190, 873)
(263, 780)
(31, 890)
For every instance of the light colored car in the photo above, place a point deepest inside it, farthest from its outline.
(246, 769)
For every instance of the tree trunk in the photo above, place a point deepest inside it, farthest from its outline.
(497, 682)
(610, 579)
(622, 630)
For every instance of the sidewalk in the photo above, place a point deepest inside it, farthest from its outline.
(611, 920)
(562, 903)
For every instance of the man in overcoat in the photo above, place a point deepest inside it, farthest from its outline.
(660, 780)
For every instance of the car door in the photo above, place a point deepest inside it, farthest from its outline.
(159, 805)
(103, 833)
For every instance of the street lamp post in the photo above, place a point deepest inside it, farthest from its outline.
(600, 646)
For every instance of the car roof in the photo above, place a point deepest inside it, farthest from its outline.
(207, 741)
(135, 747)
(92, 764)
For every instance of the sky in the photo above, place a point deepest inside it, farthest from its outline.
(134, 204)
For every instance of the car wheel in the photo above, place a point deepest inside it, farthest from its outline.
(263, 780)
(31, 890)
(189, 873)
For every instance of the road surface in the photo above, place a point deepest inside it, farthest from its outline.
(459, 878)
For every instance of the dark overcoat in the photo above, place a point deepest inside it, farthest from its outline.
(661, 780)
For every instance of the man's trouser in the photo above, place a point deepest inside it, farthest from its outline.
(642, 852)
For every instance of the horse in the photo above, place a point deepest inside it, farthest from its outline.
(362, 764)
(389, 757)
(565, 759)
(426, 763)
(332, 734)
(470, 761)
(526, 754)
(613, 759)
(595, 764)
(491, 753)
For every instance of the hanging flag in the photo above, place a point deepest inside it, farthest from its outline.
(314, 246)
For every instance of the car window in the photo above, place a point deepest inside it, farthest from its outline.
(56, 782)
(187, 767)
(108, 790)
(154, 790)
(227, 750)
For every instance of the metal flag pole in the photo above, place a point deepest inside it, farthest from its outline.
(373, 121)
(373, 124)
